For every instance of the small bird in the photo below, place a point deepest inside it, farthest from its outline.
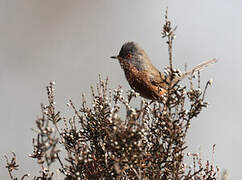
(143, 77)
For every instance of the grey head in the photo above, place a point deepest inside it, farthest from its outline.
(132, 53)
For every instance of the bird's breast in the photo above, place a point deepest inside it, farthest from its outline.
(130, 73)
(138, 80)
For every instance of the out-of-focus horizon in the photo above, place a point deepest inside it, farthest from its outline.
(71, 42)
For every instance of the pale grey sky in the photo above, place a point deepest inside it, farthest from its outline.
(71, 42)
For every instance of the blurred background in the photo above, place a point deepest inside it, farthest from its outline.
(71, 41)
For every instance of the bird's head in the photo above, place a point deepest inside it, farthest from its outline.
(131, 52)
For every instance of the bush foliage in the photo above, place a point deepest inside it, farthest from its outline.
(112, 137)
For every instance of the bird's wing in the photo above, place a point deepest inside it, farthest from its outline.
(142, 83)
(158, 83)
(158, 79)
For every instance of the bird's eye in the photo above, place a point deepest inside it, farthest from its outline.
(129, 56)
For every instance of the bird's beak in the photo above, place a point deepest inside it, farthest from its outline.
(114, 57)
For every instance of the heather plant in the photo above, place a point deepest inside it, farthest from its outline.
(111, 137)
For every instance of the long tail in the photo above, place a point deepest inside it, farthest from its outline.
(197, 68)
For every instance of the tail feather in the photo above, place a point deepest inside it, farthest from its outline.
(197, 68)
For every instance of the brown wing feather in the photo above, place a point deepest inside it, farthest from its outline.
(140, 81)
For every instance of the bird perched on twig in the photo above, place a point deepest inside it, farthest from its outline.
(143, 77)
